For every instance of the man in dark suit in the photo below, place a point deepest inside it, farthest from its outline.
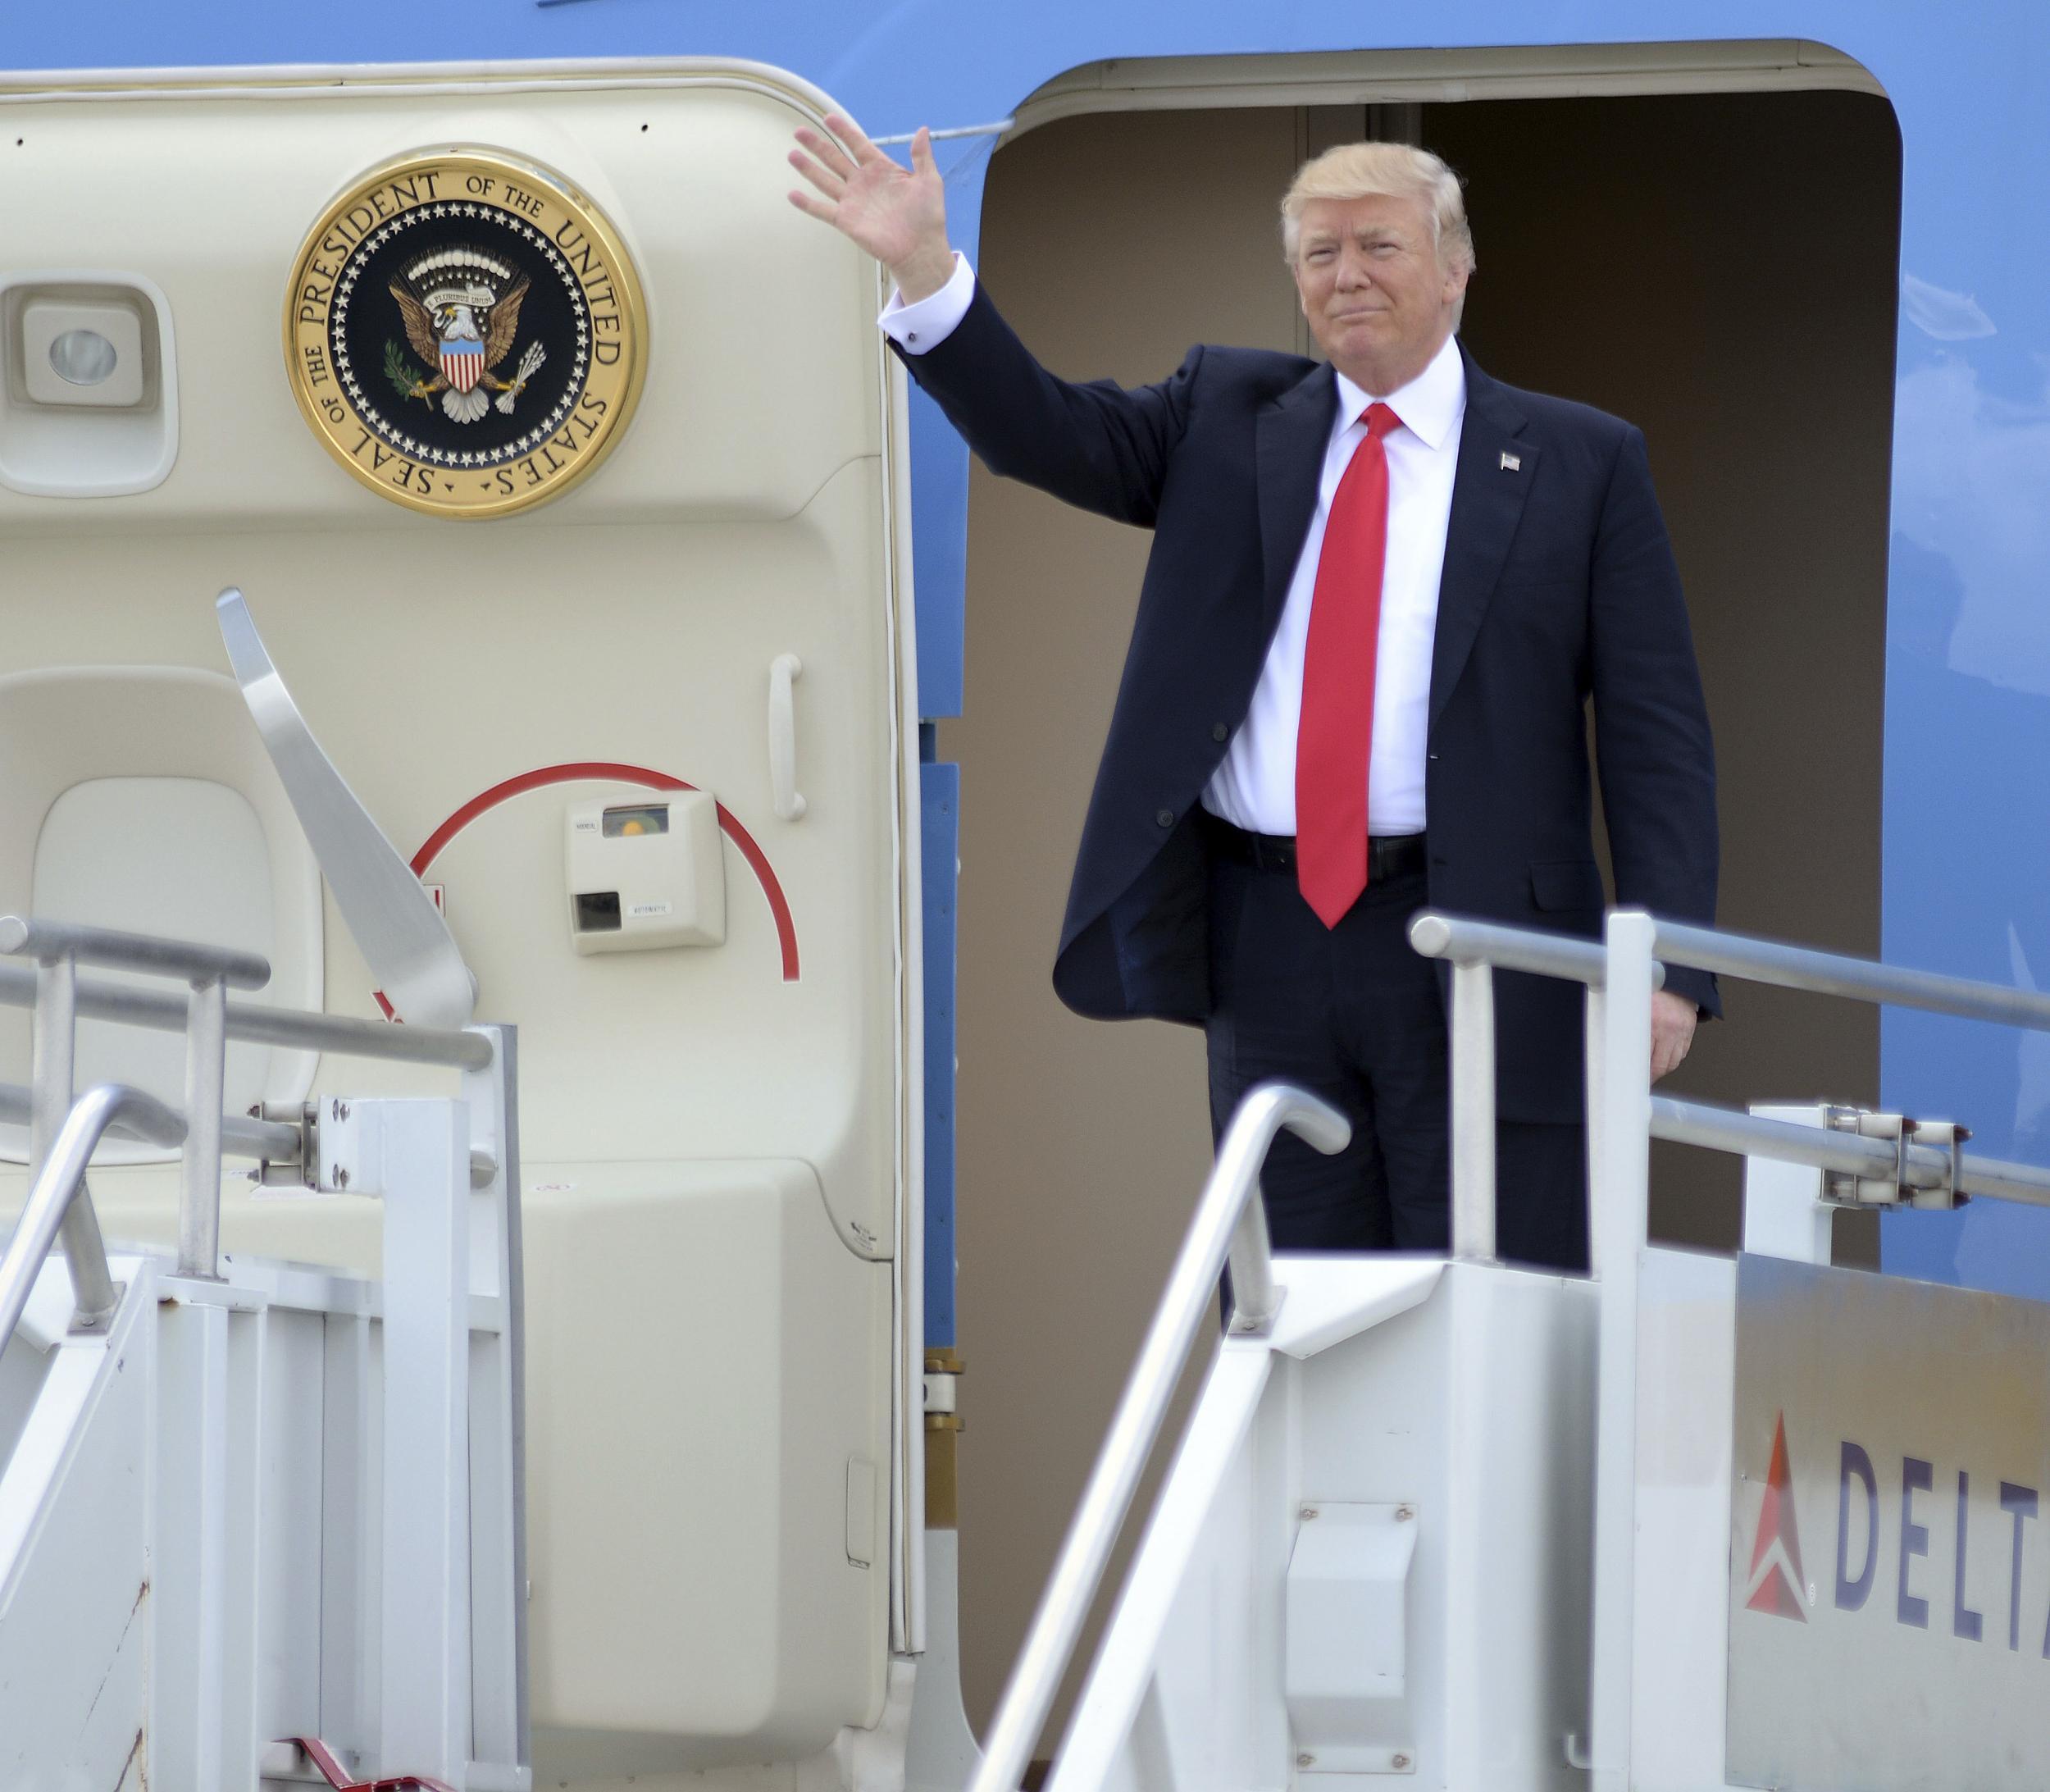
(1383, 590)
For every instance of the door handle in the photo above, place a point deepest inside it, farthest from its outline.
(782, 736)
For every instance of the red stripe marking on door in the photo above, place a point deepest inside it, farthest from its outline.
(606, 771)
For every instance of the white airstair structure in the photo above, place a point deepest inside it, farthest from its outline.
(1452, 1522)
(1458, 1524)
(259, 1518)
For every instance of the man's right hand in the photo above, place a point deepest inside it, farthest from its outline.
(898, 215)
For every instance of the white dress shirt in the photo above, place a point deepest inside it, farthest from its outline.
(917, 327)
(1256, 785)
(1255, 788)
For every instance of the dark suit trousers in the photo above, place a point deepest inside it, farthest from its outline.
(1353, 1014)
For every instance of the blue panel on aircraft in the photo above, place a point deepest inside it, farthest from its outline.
(939, 551)
(940, 474)
(940, 795)
(1967, 866)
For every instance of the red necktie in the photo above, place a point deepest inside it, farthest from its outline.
(1336, 736)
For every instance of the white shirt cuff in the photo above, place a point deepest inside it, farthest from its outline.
(926, 324)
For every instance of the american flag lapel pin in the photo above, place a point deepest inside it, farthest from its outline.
(1512, 463)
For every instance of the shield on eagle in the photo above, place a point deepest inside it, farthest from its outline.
(461, 364)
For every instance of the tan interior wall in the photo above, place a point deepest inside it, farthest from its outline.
(1721, 270)
(1643, 255)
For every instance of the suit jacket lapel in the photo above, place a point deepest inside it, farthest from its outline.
(1488, 503)
(1290, 438)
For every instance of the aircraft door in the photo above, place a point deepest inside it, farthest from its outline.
(563, 471)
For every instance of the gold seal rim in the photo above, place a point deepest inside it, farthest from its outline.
(475, 158)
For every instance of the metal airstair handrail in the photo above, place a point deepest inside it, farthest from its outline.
(205, 1016)
(1478, 948)
(1229, 1223)
(1859, 979)
(54, 1193)
(241, 1136)
(1623, 1116)
(103, 998)
(49, 941)
(1564, 955)
(1742, 955)
(58, 1183)
(1721, 1128)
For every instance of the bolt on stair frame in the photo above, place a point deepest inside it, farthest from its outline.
(1229, 1223)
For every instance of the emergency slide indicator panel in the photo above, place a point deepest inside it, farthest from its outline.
(646, 874)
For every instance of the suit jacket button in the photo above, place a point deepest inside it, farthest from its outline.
(1165, 817)
(1218, 731)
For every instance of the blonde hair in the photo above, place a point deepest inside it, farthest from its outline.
(1356, 170)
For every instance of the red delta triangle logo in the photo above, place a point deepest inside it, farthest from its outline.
(1776, 1578)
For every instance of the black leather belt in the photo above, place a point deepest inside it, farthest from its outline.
(1388, 855)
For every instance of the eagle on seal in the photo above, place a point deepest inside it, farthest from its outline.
(462, 312)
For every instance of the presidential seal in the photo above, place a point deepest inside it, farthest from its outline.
(465, 333)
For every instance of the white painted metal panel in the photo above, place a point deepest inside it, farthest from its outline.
(352, 1465)
(1460, 1392)
(1889, 1574)
(1346, 1664)
(421, 1175)
(1685, 1334)
(1519, 1489)
(75, 1592)
(702, 1586)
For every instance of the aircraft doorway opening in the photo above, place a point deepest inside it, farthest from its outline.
(1719, 268)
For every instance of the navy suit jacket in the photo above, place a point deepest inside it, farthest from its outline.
(1559, 585)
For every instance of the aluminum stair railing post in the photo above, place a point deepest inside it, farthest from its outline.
(500, 1724)
(131, 1005)
(55, 1054)
(1473, 1067)
(1594, 1036)
(206, 1076)
(55, 1187)
(58, 947)
(1256, 1296)
(416, 1155)
(1029, 1693)
(1623, 1151)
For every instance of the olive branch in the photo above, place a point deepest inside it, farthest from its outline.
(405, 377)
